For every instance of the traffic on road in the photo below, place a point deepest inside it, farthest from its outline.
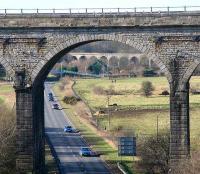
(73, 153)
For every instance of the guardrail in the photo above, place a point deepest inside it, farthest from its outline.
(85, 11)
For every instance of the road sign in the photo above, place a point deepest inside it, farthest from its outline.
(127, 146)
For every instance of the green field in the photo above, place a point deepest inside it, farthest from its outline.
(130, 94)
(141, 121)
(7, 94)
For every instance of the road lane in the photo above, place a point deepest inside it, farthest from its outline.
(67, 145)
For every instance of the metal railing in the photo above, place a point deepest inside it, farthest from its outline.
(100, 11)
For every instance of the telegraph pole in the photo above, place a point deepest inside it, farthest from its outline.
(61, 67)
(108, 103)
(157, 126)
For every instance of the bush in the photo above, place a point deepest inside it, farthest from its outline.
(147, 88)
(154, 153)
(72, 100)
(165, 92)
(190, 166)
(195, 91)
(7, 143)
(99, 90)
(64, 82)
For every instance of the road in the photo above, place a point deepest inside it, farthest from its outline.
(67, 145)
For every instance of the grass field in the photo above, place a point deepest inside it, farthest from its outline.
(130, 92)
(141, 121)
(7, 94)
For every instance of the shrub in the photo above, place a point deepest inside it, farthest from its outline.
(154, 153)
(165, 92)
(101, 91)
(72, 100)
(61, 87)
(7, 143)
(147, 88)
(112, 91)
(65, 81)
(195, 91)
(189, 166)
(98, 90)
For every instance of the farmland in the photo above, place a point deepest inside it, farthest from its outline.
(148, 113)
(142, 120)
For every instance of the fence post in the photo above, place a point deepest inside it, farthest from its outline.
(5, 12)
(21, 11)
(151, 9)
(70, 11)
(168, 10)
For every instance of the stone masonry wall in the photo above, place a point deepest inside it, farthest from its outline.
(29, 49)
(62, 20)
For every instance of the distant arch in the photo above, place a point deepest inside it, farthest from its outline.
(134, 60)
(104, 59)
(123, 62)
(92, 60)
(83, 58)
(113, 61)
(74, 58)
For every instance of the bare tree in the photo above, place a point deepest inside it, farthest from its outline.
(7, 143)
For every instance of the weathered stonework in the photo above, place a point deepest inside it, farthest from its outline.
(101, 20)
(31, 45)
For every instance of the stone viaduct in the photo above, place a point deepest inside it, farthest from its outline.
(111, 59)
(30, 45)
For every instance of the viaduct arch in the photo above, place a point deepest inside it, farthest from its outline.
(29, 52)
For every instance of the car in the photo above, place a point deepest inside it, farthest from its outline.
(51, 98)
(55, 106)
(50, 94)
(68, 129)
(86, 151)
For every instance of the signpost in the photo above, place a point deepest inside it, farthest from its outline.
(127, 146)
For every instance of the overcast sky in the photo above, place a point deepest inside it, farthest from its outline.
(93, 3)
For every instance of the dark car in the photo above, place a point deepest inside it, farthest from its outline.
(86, 151)
(55, 106)
(51, 98)
(50, 94)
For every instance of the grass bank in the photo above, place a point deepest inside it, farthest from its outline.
(92, 136)
(7, 94)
